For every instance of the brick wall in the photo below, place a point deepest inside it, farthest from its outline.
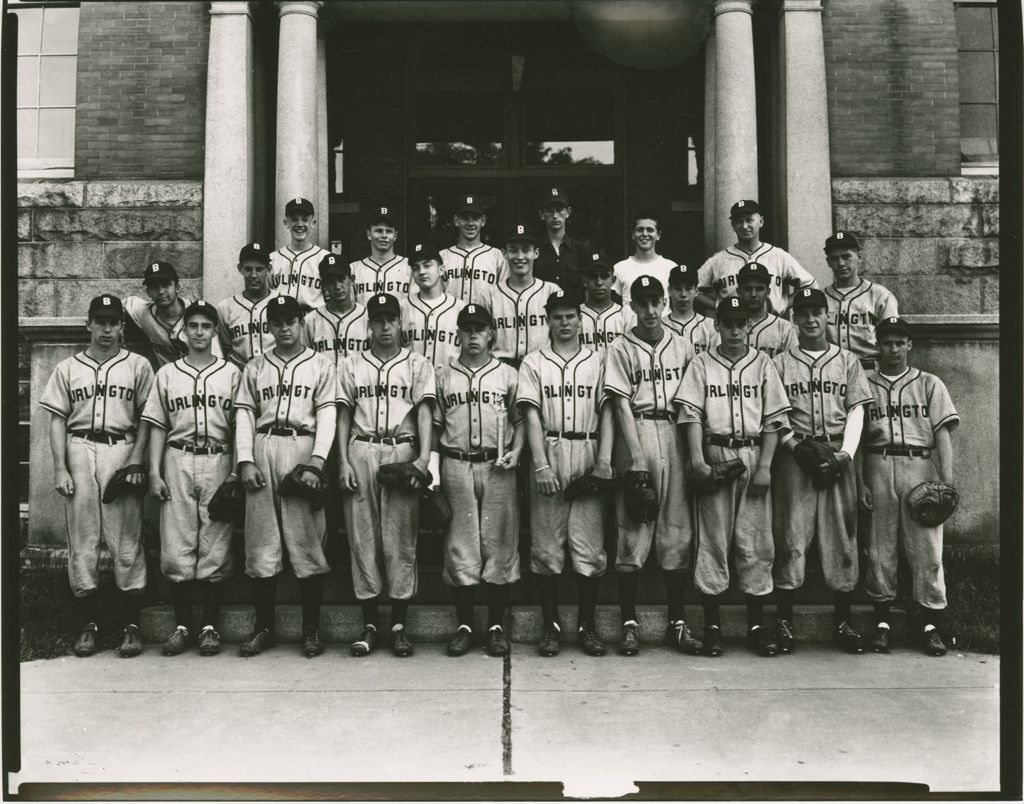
(893, 88)
(141, 90)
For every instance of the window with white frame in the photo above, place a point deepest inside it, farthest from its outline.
(977, 28)
(47, 71)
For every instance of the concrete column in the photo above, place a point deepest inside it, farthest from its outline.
(323, 198)
(807, 179)
(229, 173)
(710, 200)
(297, 92)
(735, 112)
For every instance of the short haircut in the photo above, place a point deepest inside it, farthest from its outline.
(647, 213)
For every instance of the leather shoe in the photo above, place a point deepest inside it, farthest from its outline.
(679, 636)
(761, 642)
(549, 641)
(630, 644)
(589, 641)
(712, 641)
(400, 644)
(461, 642)
(879, 641)
(497, 645)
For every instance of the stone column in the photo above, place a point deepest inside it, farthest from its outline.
(297, 91)
(711, 211)
(807, 183)
(323, 198)
(735, 112)
(229, 173)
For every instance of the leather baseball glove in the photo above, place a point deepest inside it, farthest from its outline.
(294, 486)
(404, 476)
(119, 484)
(588, 484)
(721, 473)
(639, 496)
(435, 512)
(931, 503)
(820, 462)
(228, 502)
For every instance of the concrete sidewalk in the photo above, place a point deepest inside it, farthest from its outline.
(597, 724)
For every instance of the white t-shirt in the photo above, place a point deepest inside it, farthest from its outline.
(628, 270)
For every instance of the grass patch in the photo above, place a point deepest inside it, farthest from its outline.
(972, 589)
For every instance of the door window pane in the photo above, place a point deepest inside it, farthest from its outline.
(570, 128)
(60, 31)
(977, 77)
(978, 58)
(28, 80)
(28, 130)
(57, 80)
(979, 132)
(56, 133)
(459, 128)
(30, 21)
(974, 27)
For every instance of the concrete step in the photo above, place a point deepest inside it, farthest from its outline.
(426, 623)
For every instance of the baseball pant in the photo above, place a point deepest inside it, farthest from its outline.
(556, 523)
(118, 525)
(382, 524)
(482, 543)
(730, 520)
(274, 524)
(800, 512)
(672, 533)
(890, 478)
(192, 547)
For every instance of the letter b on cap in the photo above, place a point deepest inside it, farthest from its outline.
(520, 229)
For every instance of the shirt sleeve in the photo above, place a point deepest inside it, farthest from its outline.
(794, 270)
(515, 415)
(940, 406)
(424, 384)
(791, 338)
(706, 274)
(56, 396)
(133, 307)
(617, 374)
(155, 411)
(888, 307)
(345, 383)
(775, 404)
(143, 382)
(690, 397)
(857, 390)
(326, 389)
(528, 383)
(245, 396)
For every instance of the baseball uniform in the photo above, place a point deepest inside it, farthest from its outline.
(291, 403)
(430, 327)
(382, 523)
(370, 278)
(299, 275)
(853, 314)
(471, 275)
(195, 407)
(627, 271)
(648, 376)
(598, 330)
(101, 404)
(698, 330)
(735, 404)
(337, 335)
(244, 328)
(520, 320)
(719, 273)
(166, 337)
(772, 335)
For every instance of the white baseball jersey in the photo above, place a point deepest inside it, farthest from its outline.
(720, 269)
(381, 395)
(772, 335)
(244, 327)
(568, 393)
(370, 278)
(598, 330)
(472, 402)
(167, 337)
(105, 397)
(299, 273)
(520, 319)
(907, 411)
(645, 374)
(341, 334)
(431, 327)
(471, 275)
(822, 390)
(629, 270)
(698, 329)
(194, 405)
(853, 314)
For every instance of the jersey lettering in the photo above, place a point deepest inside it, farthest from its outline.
(198, 401)
(285, 390)
(81, 394)
(733, 391)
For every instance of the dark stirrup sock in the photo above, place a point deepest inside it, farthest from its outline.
(464, 597)
(784, 603)
(675, 591)
(497, 602)
(399, 611)
(548, 598)
(181, 598)
(628, 582)
(755, 610)
(212, 595)
(264, 591)
(843, 603)
(588, 587)
(712, 615)
(311, 594)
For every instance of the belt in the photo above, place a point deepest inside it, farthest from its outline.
(471, 457)
(867, 362)
(902, 452)
(660, 416)
(284, 431)
(393, 441)
(184, 446)
(824, 439)
(99, 438)
(728, 441)
(571, 436)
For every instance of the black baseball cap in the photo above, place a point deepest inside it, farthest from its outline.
(106, 305)
(299, 206)
(383, 214)
(892, 324)
(646, 287)
(752, 271)
(425, 249)
(842, 240)
(283, 307)
(159, 272)
(810, 297)
(254, 251)
(382, 304)
(333, 265)
(563, 298)
(593, 263)
(732, 307)
(200, 307)
(682, 275)
(553, 196)
(475, 314)
(744, 207)
(521, 233)
(469, 203)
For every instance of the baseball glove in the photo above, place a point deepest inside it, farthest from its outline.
(721, 473)
(819, 461)
(931, 503)
(640, 497)
(294, 486)
(435, 512)
(400, 476)
(228, 502)
(119, 484)
(588, 484)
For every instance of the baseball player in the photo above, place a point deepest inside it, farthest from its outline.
(518, 300)
(732, 406)
(190, 408)
(570, 430)
(472, 268)
(602, 319)
(716, 278)
(430, 315)
(560, 256)
(293, 268)
(284, 417)
(382, 271)
(385, 415)
(680, 317)
(642, 373)
(480, 436)
(827, 392)
(645, 261)
(95, 399)
(768, 332)
(855, 305)
(244, 331)
(339, 327)
(908, 422)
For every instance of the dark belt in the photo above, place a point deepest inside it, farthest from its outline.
(728, 441)
(393, 441)
(902, 452)
(571, 436)
(824, 439)
(868, 363)
(660, 416)
(284, 431)
(184, 446)
(99, 438)
(471, 457)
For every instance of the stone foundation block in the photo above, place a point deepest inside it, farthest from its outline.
(24, 226)
(69, 258)
(894, 256)
(51, 194)
(972, 190)
(920, 220)
(926, 294)
(73, 296)
(118, 224)
(143, 194)
(127, 260)
(890, 191)
(35, 297)
(974, 253)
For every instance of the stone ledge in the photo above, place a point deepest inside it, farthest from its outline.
(48, 194)
(916, 190)
(976, 327)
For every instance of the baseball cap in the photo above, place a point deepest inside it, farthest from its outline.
(892, 324)
(521, 233)
(254, 251)
(842, 240)
(425, 249)
(469, 203)
(106, 304)
(646, 287)
(200, 307)
(553, 196)
(382, 304)
(593, 263)
(731, 307)
(744, 207)
(283, 307)
(333, 265)
(475, 314)
(383, 214)
(563, 298)
(298, 206)
(753, 271)
(810, 297)
(682, 275)
(158, 272)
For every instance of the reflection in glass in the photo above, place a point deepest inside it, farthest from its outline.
(458, 129)
(570, 128)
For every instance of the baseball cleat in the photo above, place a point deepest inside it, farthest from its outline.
(762, 642)
(497, 645)
(176, 642)
(85, 645)
(209, 641)
(258, 642)
(589, 641)
(879, 640)
(848, 638)
(400, 644)
(312, 645)
(679, 636)
(784, 636)
(366, 642)
(712, 641)
(933, 644)
(461, 642)
(549, 641)
(630, 644)
(131, 643)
